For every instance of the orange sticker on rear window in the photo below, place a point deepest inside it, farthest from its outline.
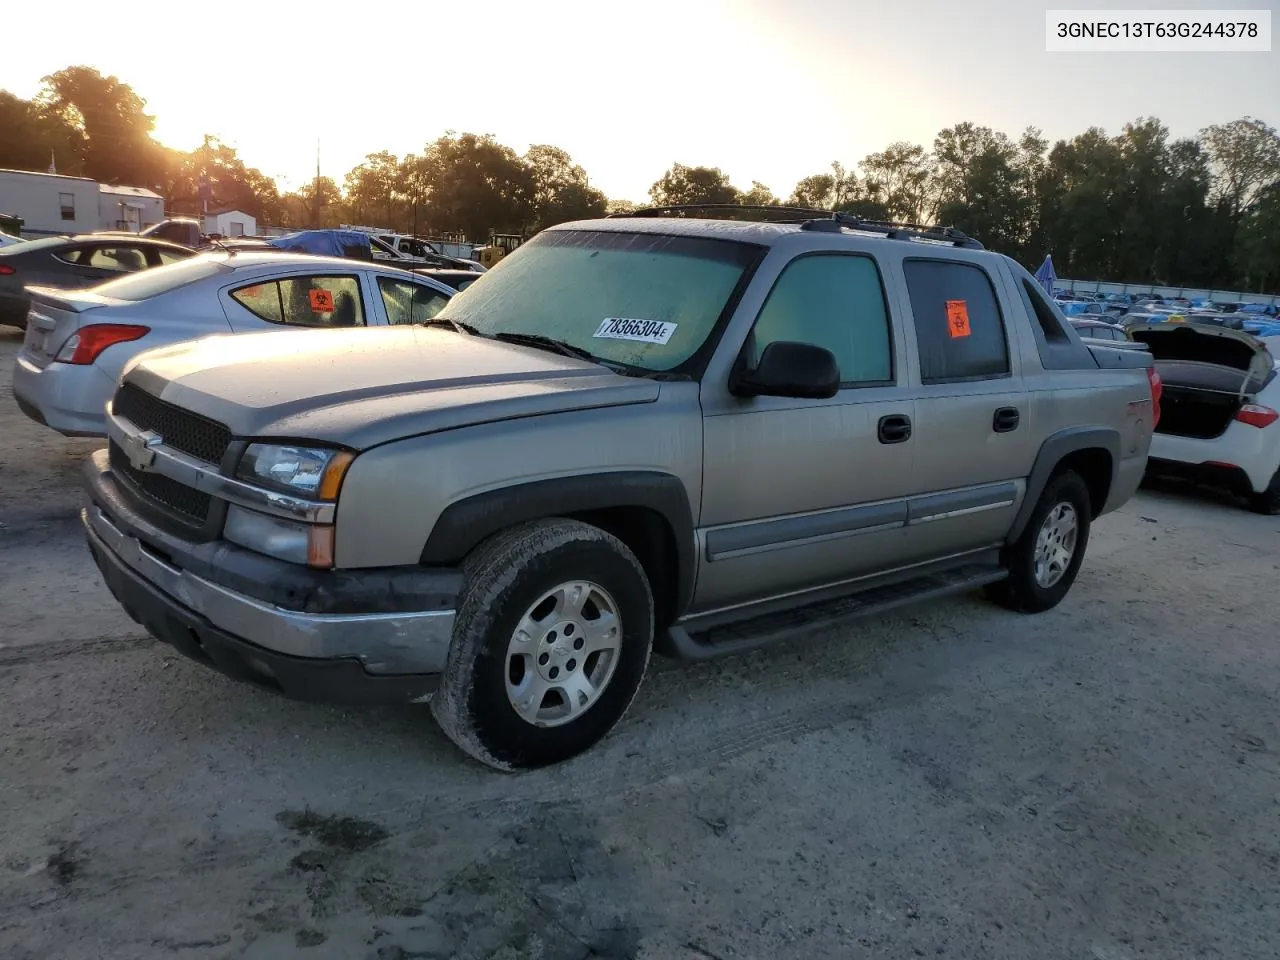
(957, 318)
(321, 301)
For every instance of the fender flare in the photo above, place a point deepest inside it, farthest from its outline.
(465, 523)
(1052, 451)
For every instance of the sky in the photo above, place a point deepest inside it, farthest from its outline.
(768, 90)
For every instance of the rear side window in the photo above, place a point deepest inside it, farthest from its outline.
(959, 329)
(1034, 300)
(307, 301)
(122, 259)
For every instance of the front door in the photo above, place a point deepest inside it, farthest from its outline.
(973, 429)
(802, 493)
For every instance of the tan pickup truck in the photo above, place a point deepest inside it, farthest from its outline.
(643, 432)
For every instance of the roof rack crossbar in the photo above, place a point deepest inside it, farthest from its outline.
(813, 218)
(895, 230)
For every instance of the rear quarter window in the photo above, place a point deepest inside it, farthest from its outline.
(959, 328)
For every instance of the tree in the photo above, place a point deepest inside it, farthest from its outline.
(34, 135)
(1258, 252)
(826, 191)
(1245, 154)
(232, 183)
(468, 184)
(372, 192)
(561, 191)
(899, 178)
(113, 122)
(693, 185)
(759, 195)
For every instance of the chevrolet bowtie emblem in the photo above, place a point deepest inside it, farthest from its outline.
(140, 449)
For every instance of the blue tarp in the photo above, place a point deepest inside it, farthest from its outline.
(327, 243)
(1046, 276)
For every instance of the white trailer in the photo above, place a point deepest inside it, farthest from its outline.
(50, 204)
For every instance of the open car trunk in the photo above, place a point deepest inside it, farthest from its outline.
(1208, 373)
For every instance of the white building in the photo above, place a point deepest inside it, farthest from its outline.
(128, 208)
(229, 223)
(50, 204)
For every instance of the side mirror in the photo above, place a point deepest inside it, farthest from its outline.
(790, 369)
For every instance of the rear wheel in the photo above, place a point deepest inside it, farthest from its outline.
(1268, 501)
(550, 645)
(1044, 560)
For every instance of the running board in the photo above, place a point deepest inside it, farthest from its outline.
(768, 628)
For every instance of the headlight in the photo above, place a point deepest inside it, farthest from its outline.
(312, 472)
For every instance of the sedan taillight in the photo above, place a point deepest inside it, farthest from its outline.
(6, 270)
(87, 344)
(1157, 388)
(1256, 415)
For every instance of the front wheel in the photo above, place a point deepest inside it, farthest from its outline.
(1044, 560)
(550, 645)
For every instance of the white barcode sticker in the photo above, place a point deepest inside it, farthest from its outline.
(643, 331)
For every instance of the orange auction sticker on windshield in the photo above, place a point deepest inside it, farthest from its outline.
(958, 318)
(322, 301)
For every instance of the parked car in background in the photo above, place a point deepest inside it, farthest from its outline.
(1103, 330)
(503, 514)
(78, 342)
(180, 230)
(74, 262)
(1218, 409)
(458, 279)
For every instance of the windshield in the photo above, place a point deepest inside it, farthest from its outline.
(638, 299)
(151, 283)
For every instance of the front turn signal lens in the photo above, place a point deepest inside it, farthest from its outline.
(331, 481)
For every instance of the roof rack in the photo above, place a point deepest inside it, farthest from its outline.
(812, 218)
(795, 214)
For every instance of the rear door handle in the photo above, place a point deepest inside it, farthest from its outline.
(895, 428)
(1006, 419)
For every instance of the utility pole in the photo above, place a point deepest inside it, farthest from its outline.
(315, 216)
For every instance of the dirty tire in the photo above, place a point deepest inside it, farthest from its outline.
(1268, 501)
(501, 579)
(1021, 592)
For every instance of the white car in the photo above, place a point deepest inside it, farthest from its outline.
(1219, 409)
(8, 239)
(79, 341)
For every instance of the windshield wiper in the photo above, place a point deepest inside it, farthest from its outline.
(562, 347)
(456, 325)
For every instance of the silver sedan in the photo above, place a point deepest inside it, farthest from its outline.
(79, 341)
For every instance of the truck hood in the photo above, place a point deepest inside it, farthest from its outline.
(363, 387)
(1200, 343)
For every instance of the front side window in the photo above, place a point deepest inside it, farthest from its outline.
(307, 301)
(959, 330)
(409, 302)
(834, 301)
(642, 300)
(67, 205)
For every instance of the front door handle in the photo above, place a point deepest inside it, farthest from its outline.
(895, 428)
(1006, 419)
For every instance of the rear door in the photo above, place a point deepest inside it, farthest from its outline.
(974, 442)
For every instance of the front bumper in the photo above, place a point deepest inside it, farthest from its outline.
(289, 636)
(68, 398)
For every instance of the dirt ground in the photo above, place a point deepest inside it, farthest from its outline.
(1099, 782)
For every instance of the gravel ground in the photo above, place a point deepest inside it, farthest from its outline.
(1097, 782)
